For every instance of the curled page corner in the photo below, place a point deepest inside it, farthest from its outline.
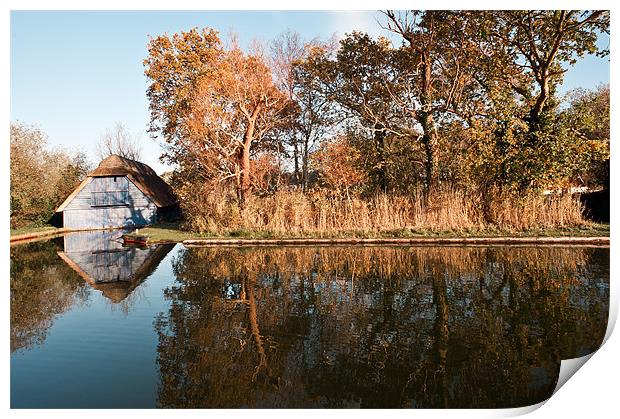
(568, 367)
(613, 314)
(519, 411)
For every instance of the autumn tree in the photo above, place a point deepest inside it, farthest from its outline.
(213, 106)
(339, 164)
(543, 44)
(495, 74)
(357, 78)
(41, 178)
(587, 121)
(314, 114)
(174, 66)
(409, 91)
(527, 54)
(233, 113)
(461, 100)
(436, 68)
(285, 50)
(27, 151)
(589, 111)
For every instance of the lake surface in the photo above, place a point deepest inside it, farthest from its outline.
(95, 324)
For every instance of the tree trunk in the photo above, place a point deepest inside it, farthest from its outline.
(296, 161)
(431, 149)
(304, 166)
(541, 100)
(238, 184)
(245, 169)
(429, 133)
(245, 155)
(379, 137)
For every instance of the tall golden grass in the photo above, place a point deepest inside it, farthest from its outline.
(295, 213)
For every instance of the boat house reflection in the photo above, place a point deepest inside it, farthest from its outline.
(101, 259)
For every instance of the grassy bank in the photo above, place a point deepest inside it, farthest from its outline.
(173, 232)
(32, 229)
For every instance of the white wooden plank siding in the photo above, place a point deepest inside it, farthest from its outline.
(82, 211)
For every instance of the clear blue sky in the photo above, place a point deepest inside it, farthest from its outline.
(75, 74)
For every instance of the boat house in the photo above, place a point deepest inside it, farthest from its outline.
(119, 193)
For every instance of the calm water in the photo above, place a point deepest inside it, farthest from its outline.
(94, 324)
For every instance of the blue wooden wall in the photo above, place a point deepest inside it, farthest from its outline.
(81, 212)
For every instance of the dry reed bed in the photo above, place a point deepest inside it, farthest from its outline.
(291, 213)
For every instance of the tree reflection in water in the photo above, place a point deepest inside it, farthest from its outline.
(377, 327)
(41, 289)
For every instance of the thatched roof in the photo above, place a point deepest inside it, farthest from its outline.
(140, 174)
